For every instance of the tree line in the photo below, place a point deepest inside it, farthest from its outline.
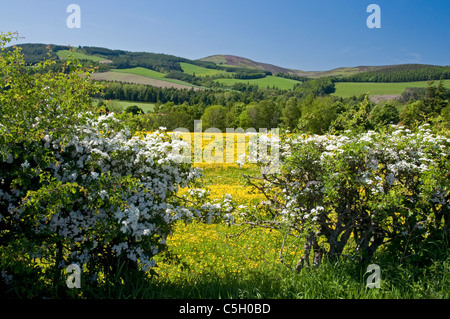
(400, 73)
(308, 111)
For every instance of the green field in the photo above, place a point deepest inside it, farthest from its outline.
(348, 89)
(64, 55)
(281, 83)
(198, 70)
(122, 105)
(151, 74)
(119, 105)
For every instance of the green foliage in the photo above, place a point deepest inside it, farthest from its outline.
(446, 116)
(413, 114)
(434, 99)
(400, 73)
(317, 87)
(215, 117)
(249, 75)
(291, 113)
(355, 118)
(383, 114)
(134, 109)
(317, 115)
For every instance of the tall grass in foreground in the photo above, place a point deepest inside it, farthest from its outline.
(213, 267)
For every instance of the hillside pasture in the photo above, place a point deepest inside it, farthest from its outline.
(151, 74)
(271, 81)
(64, 55)
(140, 79)
(198, 70)
(348, 89)
(122, 105)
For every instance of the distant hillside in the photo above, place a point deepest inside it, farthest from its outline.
(226, 67)
(343, 72)
(240, 62)
(400, 73)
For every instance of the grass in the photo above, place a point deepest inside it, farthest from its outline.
(198, 70)
(151, 74)
(281, 83)
(122, 105)
(64, 55)
(348, 89)
(217, 59)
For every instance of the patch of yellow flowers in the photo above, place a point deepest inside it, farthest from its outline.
(200, 249)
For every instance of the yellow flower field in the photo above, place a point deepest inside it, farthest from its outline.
(202, 249)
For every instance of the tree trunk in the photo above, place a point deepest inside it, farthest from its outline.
(304, 260)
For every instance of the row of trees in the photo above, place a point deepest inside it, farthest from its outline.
(151, 94)
(400, 73)
(240, 92)
(314, 114)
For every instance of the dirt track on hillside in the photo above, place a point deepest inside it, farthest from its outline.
(381, 98)
(137, 79)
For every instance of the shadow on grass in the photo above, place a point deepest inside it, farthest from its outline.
(339, 280)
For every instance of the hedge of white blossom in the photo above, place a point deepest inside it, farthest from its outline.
(348, 195)
(78, 187)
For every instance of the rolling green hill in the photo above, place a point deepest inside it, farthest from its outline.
(268, 81)
(348, 89)
(64, 55)
(123, 65)
(240, 62)
(198, 70)
(140, 75)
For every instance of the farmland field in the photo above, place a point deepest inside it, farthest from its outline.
(64, 55)
(150, 74)
(281, 83)
(122, 105)
(348, 89)
(198, 70)
(141, 79)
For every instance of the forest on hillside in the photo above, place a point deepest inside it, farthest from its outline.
(121, 59)
(400, 73)
(308, 108)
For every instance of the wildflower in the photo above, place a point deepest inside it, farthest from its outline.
(25, 164)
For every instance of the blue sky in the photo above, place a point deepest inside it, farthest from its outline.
(301, 34)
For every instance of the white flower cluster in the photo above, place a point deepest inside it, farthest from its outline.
(380, 160)
(263, 149)
(402, 152)
(100, 159)
(206, 210)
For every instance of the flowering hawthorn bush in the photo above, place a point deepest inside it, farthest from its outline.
(350, 194)
(78, 186)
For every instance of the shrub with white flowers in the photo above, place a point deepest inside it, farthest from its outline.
(79, 186)
(348, 195)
